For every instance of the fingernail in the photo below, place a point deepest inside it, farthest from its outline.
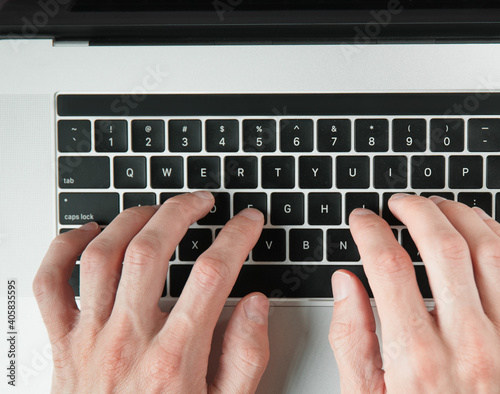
(253, 214)
(399, 196)
(203, 194)
(480, 212)
(91, 226)
(362, 212)
(256, 309)
(341, 284)
(436, 199)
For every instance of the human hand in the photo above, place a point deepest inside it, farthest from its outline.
(453, 349)
(121, 341)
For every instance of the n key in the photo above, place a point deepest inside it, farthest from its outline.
(340, 246)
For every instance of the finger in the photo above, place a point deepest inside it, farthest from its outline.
(51, 287)
(146, 259)
(444, 251)
(484, 247)
(352, 337)
(390, 273)
(101, 263)
(192, 320)
(245, 350)
(490, 222)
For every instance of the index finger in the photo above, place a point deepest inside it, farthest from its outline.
(212, 278)
(390, 273)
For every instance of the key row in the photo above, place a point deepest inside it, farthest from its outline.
(275, 280)
(279, 172)
(284, 209)
(295, 135)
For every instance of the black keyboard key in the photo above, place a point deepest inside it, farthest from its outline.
(259, 135)
(315, 172)
(324, 209)
(73, 136)
(353, 172)
(287, 208)
(409, 135)
(361, 200)
(148, 135)
(340, 246)
(240, 172)
(271, 246)
(111, 136)
(493, 172)
(81, 208)
(466, 172)
(372, 135)
(497, 207)
(390, 172)
(334, 135)
(74, 280)
(481, 200)
(386, 212)
(220, 212)
(194, 243)
(165, 196)
(184, 135)
(410, 247)
(167, 172)
(306, 245)
(447, 135)
(484, 135)
(250, 200)
(203, 172)
(296, 135)
(222, 135)
(446, 195)
(278, 172)
(428, 172)
(78, 172)
(138, 199)
(289, 281)
(129, 172)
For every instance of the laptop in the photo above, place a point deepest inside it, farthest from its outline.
(302, 109)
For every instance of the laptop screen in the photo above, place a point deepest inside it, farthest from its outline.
(253, 21)
(268, 5)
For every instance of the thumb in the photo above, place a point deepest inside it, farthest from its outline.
(352, 337)
(245, 349)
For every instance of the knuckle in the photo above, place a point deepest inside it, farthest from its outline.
(252, 357)
(211, 272)
(143, 250)
(393, 261)
(489, 250)
(43, 284)
(452, 248)
(95, 254)
(137, 215)
(340, 335)
(182, 208)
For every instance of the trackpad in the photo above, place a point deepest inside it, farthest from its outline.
(301, 358)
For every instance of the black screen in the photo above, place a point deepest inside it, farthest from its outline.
(272, 5)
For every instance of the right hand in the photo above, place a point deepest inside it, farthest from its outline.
(453, 349)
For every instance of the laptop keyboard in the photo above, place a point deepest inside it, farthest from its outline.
(305, 166)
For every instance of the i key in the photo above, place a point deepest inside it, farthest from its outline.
(390, 172)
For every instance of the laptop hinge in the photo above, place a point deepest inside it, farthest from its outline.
(68, 43)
